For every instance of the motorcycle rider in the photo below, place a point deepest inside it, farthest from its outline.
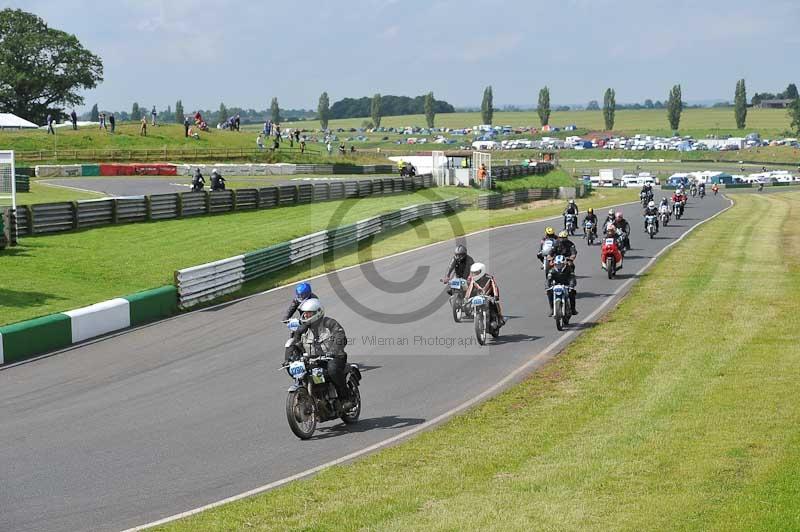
(561, 274)
(549, 234)
(715, 188)
(701, 189)
(459, 266)
(572, 208)
(217, 181)
(590, 217)
(481, 283)
(622, 225)
(198, 181)
(566, 248)
(647, 191)
(324, 336)
(609, 219)
(677, 200)
(693, 188)
(650, 210)
(302, 292)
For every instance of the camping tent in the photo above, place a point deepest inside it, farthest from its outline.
(10, 121)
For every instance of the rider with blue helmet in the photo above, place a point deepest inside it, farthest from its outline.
(302, 292)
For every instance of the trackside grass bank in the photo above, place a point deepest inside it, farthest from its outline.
(678, 412)
(67, 271)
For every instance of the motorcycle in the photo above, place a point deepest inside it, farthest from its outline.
(562, 311)
(650, 223)
(483, 319)
(218, 186)
(458, 286)
(197, 186)
(547, 247)
(677, 209)
(643, 198)
(664, 215)
(702, 192)
(570, 220)
(312, 398)
(694, 191)
(611, 257)
(589, 232)
(621, 238)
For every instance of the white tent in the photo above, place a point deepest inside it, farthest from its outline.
(9, 121)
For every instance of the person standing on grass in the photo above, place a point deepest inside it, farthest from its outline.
(238, 122)
(74, 117)
(186, 127)
(143, 129)
(302, 145)
(50, 125)
(328, 145)
(260, 142)
(153, 115)
(102, 120)
(113, 122)
(276, 144)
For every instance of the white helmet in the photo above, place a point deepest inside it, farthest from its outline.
(651, 204)
(214, 171)
(311, 305)
(477, 271)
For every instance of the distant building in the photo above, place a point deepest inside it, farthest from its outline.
(775, 104)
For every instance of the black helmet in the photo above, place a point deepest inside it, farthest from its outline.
(460, 252)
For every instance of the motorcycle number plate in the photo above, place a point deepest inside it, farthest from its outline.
(455, 283)
(609, 241)
(297, 369)
(478, 301)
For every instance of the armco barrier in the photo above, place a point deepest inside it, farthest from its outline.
(227, 169)
(515, 197)
(67, 216)
(209, 281)
(27, 339)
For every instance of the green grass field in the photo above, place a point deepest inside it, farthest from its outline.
(62, 272)
(688, 423)
(699, 122)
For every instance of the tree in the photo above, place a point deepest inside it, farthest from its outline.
(487, 109)
(648, 104)
(544, 106)
(791, 92)
(42, 69)
(275, 111)
(375, 109)
(740, 104)
(794, 115)
(609, 108)
(593, 106)
(136, 113)
(674, 107)
(94, 116)
(430, 112)
(323, 110)
(223, 113)
(167, 115)
(179, 116)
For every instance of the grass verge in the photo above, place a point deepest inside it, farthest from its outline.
(41, 193)
(679, 412)
(67, 271)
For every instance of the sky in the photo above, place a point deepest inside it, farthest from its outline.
(244, 52)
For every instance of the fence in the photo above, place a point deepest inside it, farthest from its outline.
(68, 216)
(515, 197)
(504, 173)
(156, 154)
(209, 281)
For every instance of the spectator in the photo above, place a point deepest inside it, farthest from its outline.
(74, 118)
(50, 122)
(113, 122)
(143, 129)
(276, 144)
(186, 127)
(291, 138)
(328, 145)
(269, 128)
(303, 145)
(341, 148)
(153, 115)
(297, 135)
(103, 121)
(260, 142)
(238, 121)
(190, 132)
(482, 174)
(352, 148)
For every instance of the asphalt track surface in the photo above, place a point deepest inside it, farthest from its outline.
(182, 413)
(139, 186)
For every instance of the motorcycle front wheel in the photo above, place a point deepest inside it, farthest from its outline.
(301, 413)
(458, 311)
(559, 315)
(480, 326)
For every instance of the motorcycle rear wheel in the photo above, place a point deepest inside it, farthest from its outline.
(351, 416)
(300, 420)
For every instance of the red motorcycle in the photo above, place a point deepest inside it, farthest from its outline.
(610, 256)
